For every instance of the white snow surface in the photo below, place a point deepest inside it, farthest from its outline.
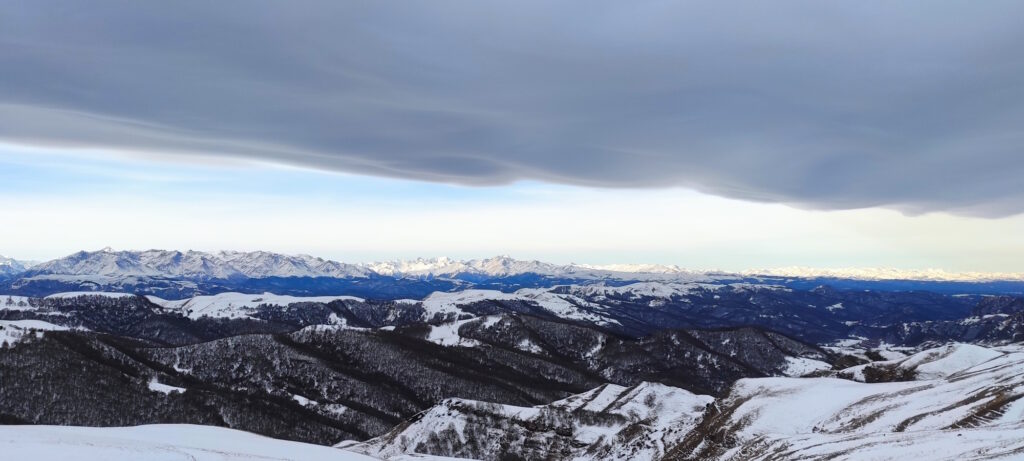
(965, 405)
(1005, 443)
(939, 362)
(965, 390)
(444, 303)
(448, 334)
(799, 366)
(15, 303)
(14, 331)
(236, 305)
(161, 442)
(157, 386)
(563, 305)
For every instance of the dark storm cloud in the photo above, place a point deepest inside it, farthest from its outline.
(912, 105)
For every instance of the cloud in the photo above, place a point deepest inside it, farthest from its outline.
(917, 106)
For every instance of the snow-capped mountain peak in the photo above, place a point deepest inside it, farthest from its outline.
(262, 264)
(10, 266)
(195, 264)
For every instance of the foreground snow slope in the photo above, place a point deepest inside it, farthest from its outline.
(966, 396)
(165, 442)
(999, 443)
(967, 403)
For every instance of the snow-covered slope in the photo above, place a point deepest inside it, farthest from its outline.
(16, 303)
(437, 305)
(933, 363)
(578, 302)
(448, 334)
(1004, 443)
(564, 305)
(14, 331)
(966, 404)
(610, 422)
(572, 302)
(236, 305)
(165, 442)
(964, 388)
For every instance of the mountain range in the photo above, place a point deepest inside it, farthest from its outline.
(499, 359)
(261, 264)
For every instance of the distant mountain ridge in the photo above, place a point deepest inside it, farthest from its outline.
(10, 266)
(194, 264)
(883, 273)
(259, 264)
(227, 265)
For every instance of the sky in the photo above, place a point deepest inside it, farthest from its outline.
(716, 135)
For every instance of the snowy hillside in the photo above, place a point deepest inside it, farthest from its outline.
(13, 331)
(1004, 443)
(585, 303)
(236, 305)
(817, 315)
(610, 422)
(966, 404)
(966, 398)
(163, 442)
(934, 363)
